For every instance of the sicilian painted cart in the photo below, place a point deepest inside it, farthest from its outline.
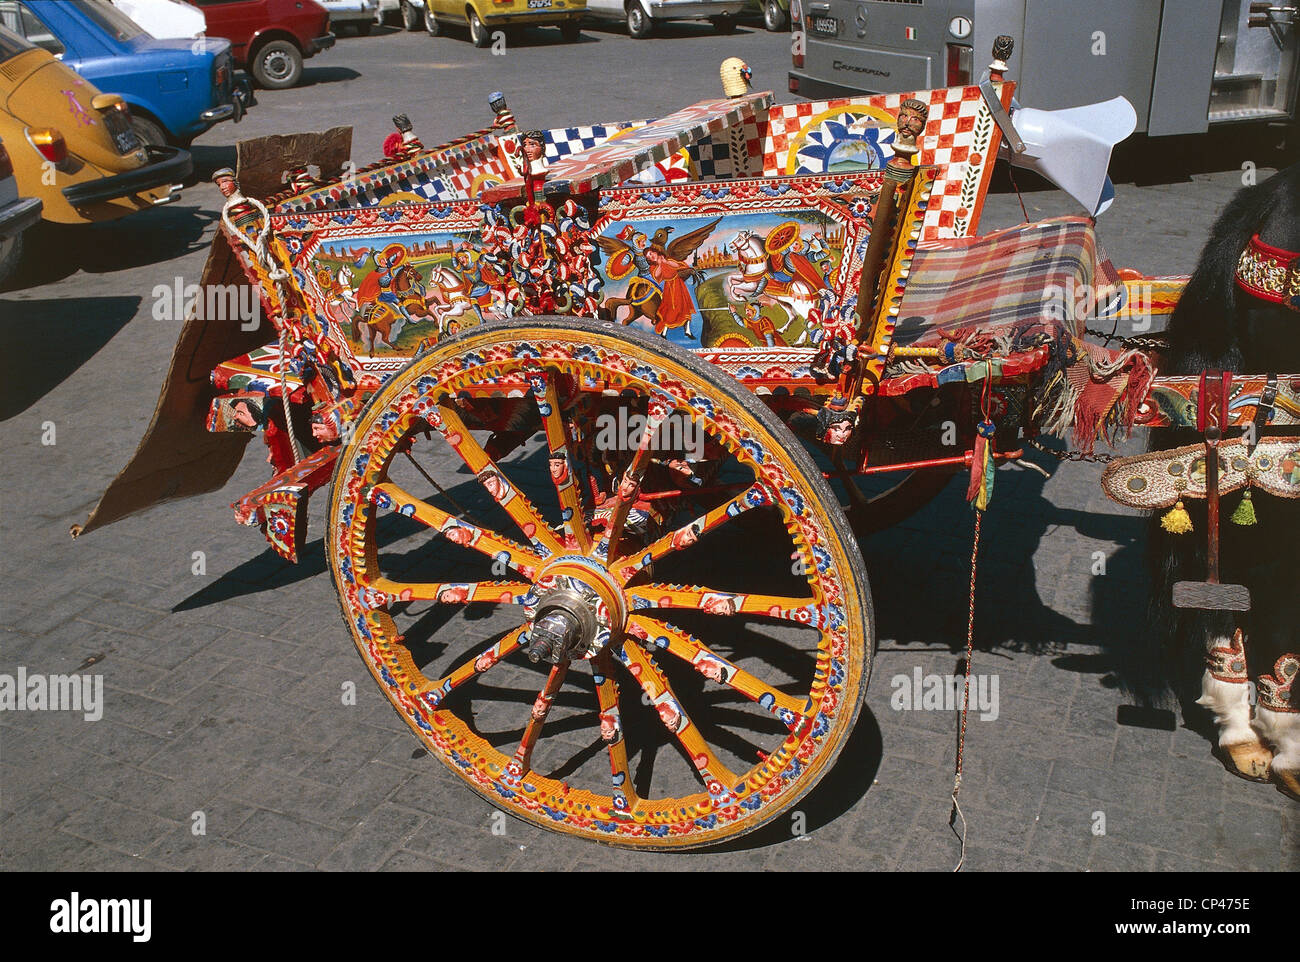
(666, 370)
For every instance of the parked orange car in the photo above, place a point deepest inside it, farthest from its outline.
(72, 146)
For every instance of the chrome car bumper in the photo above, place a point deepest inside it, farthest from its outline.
(20, 215)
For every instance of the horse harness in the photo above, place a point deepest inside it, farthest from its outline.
(1270, 273)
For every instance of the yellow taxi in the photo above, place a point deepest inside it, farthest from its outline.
(73, 147)
(486, 17)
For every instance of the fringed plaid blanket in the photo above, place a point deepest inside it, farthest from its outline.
(1019, 290)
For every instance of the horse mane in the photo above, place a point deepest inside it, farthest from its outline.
(1202, 330)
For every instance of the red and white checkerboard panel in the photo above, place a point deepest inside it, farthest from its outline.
(484, 161)
(956, 140)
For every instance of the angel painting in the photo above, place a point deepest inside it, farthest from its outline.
(658, 290)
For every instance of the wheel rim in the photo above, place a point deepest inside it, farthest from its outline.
(636, 20)
(475, 28)
(277, 65)
(773, 15)
(807, 718)
(430, 21)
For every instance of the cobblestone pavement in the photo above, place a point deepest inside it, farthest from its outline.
(222, 682)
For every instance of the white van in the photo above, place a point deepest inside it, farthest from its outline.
(166, 19)
(641, 15)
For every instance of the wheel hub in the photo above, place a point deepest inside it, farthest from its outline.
(579, 609)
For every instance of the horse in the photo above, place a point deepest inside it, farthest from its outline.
(450, 297)
(1217, 325)
(381, 320)
(754, 283)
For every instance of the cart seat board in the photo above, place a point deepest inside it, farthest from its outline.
(611, 163)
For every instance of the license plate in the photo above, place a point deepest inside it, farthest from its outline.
(539, 4)
(124, 138)
(826, 25)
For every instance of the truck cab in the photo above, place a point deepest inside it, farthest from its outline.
(1185, 67)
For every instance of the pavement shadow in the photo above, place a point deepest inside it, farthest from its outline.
(266, 572)
(156, 236)
(42, 342)
(842, 787)
(209, 159)
(317, 76)
(670, 30)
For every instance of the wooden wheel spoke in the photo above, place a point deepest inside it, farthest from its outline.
(562, 466)
(523, 759)
(611, 733)
(385, 591)
(647, 599)
(716, 668)
(755, 496)
(516, 504)
(629, 485)
(440, 689)
(674, 718)
(495, 546)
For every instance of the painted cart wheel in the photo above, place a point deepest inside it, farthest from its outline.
(702, 628)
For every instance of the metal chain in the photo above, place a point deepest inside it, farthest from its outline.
(1070, 455)
(1140, 342)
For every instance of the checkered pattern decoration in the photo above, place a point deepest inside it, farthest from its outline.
(960, 139)
(609, 164)
(566, 141)
(734, 152)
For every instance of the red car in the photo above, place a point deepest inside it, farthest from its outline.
(270, 38)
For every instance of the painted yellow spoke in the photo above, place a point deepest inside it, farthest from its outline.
(522, 559)
(611, 733)
(563, 466)
(674, 718)
(523, 759)
(515, 502)
(440, 689)
(755, 496)
(646, 599)
(716, 668)
(629, 487)
(387, 592)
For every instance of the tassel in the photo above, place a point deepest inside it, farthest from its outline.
(1176, 520)
(1245, 513)
(980, 490)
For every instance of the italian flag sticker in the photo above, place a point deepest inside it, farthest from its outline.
(911, 32)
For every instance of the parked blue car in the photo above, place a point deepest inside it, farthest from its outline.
(176, 89)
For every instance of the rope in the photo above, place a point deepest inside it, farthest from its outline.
(277, 275)
(965, 702)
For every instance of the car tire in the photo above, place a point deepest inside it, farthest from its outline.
(571, 31)
(774, 18)
(149, 131)
(11, 252)
(478, 31)
(725, 23)
(431, 26)
(363, 28)
(278, 65)
(411, 19)
(638, 23)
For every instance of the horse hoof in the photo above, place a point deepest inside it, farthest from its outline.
(1248, 760)
(1288, 783)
